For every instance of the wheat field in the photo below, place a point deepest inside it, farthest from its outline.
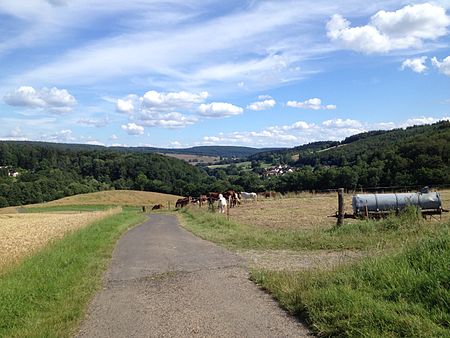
(23, 234)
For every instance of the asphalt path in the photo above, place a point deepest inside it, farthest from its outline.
(165, 282)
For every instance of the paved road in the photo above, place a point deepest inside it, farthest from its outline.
(165, 282)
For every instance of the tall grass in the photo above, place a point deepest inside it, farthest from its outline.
(46, 295)
(403, 295)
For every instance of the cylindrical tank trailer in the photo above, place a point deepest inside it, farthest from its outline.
(366, 205)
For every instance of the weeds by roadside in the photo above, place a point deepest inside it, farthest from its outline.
(403, 295)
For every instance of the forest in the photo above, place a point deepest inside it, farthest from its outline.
(415, 156)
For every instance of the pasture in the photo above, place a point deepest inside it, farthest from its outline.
(194, 159)
(301, 211)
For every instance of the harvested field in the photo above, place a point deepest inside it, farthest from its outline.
(22, 234)
(305, 211)
(302, 211)
(111, 197)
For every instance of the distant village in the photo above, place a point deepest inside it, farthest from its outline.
(278, 170)
(11, 172)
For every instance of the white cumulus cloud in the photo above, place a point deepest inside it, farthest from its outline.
(314, 103)
(340, 123)
(126, 105)
(408, 27)
(159, 109)
(154, 99)
(133, 129)
(165, 120)
(219, 109)
(443, 66)
(416, 65)
(266, 104)
(54, 99)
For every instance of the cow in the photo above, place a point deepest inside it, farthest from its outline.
(222, 204)
(269, 194)
(249, 196)
(233, 197)
(202, 199)
(182, 202)
(157, 207)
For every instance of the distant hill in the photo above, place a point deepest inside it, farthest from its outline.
(414, 156)
(219, 151)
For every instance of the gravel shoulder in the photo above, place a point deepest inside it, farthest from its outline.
(165, 282)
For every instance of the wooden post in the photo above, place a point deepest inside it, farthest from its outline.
(168, 205)
(340, 220)
(228, 208)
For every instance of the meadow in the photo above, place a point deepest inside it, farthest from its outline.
(385, 278)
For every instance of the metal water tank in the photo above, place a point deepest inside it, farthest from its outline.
(383, 203)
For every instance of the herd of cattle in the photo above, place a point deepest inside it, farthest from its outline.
(229, 198)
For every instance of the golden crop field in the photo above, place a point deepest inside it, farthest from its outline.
(306, 211)
(110, 197)
(22, 234)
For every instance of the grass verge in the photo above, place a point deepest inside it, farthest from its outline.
(46, 295)
(402, 295)
(390, 233)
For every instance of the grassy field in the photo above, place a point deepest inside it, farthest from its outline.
(23, 234)
(385, 278)
(406, 294)
(194, 159)
(47, 293)
(105, 198)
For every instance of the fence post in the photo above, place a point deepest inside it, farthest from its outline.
(340, 220)
(168, 205)
(228, 208)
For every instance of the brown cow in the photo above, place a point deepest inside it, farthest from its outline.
(269, 194)
(157, 207)
(182, 202)
(202, 199)
(232, 196)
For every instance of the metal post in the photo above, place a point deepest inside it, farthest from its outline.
(340, 220)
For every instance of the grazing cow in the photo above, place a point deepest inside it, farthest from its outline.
(157, 207)
(182, 202)
(249, 196)
(233, 197)
(202, 199)
(269, 194)
(222, 204)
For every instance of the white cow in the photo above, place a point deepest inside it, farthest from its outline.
(249, 196)
(222, 204)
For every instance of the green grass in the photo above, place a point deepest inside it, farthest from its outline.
(386, 234)
(47, 294)
(401, 295)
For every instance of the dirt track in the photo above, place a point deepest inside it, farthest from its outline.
(165, 282)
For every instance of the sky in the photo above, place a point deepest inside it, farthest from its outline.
(210, 72)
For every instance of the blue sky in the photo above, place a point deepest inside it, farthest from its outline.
(249, 73)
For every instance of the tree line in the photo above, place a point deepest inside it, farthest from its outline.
(404, 157)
